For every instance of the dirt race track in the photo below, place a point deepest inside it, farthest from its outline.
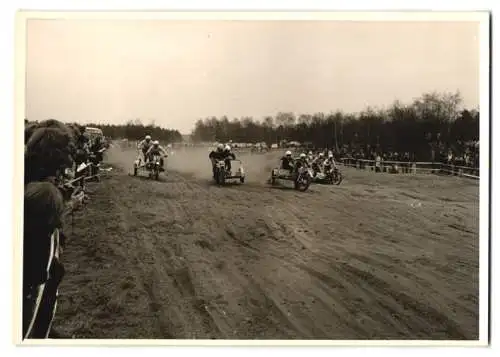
(379, 257)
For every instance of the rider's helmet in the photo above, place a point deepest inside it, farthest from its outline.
(302, 156)
(220, 147)
(288, 153)
(310, 153)
(321, 154)
(148, 138)
(227, 148)
(156, 143)
(330, 155)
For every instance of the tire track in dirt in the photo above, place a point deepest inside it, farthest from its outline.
(248, 261)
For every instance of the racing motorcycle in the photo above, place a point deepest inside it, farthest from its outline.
(332, 174)
(222, 174)
(301, 179)
(154, 166)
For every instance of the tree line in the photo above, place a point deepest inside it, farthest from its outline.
(136, 130)
(432, 119)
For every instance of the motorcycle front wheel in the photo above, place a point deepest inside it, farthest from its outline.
(221, 177)
(302, 183)
(337, 179)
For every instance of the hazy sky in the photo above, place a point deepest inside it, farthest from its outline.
(175, 72)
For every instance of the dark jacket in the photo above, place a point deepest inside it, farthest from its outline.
(286, 163)
(216, 155)
(301, 163)
(228, 155)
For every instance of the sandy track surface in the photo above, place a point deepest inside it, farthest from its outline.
(379, 257)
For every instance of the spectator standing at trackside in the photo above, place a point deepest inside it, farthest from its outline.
(48, 152)
(451, 167)
(378, 163)
(395, 165)
(406, 164)
(362, 159)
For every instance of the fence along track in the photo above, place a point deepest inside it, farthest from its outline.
(414, 167)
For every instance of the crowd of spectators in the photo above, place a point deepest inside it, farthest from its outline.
(455, 156)
(464, 154)
(51, 151)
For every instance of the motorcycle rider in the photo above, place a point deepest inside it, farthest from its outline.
(144, 146)
(215, 155)
(156, 149)
(330, 163)
(301, 162)
(317, 163)
(310, 156)
(287, 162)
(228, 156)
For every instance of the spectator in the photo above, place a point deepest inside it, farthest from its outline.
(42, 272)
(378, 163)
(49, 147)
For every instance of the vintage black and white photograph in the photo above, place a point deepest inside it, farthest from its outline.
(232, 177)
